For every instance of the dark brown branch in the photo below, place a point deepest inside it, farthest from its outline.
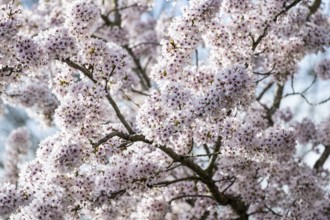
(324, 156)
(225, 179)
(132, 138)
(314, 7)
(203, 155)
(256, 212)
(286, 9)
(272, 211)
(174, 167)
(119, 115)
(235, 202)
(119, 192)
(230, 185)
(255, 43)
(311, 85)
(82, 69)
(190, 196)
(276, 104)
(207, 150)
(277, 98)
(262, 79)
(117, 20)
(11, 69)
(166, 183)
(106, 20)
(220, 198)
(268, 86)
(211, 164)
(106, 138)
(265, 73)
(140, 92)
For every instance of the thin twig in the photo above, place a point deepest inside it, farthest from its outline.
(259, 80)
(166, 183)
(145, 81)
(306, 99)
(119, 115)
(87, 73)
(265, 73)
(80, 68)
(269, 85)
(225, 179)
(256, 42)
(172, 168)
(129, 99)
(190, 196)
(272, 211)
(203, 155)
(122, 8)
(311, 85)
(230, 185)
(140, 92)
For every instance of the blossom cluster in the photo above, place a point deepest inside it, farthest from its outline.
(158, 119)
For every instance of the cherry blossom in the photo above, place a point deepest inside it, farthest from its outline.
(174, 117)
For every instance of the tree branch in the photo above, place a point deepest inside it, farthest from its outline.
(82, 69)
(166, 183)
(268, 86)
(235, 202)
(276, 104)
(324, 156)
(203, 155)
(10, 69)
(272, 211)
(122, 8)
(87, 73)
(210, 166)
(313, 8)
(255, 43)
(140, 71)
(277, 98)
(187, 196)
(119, 115)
